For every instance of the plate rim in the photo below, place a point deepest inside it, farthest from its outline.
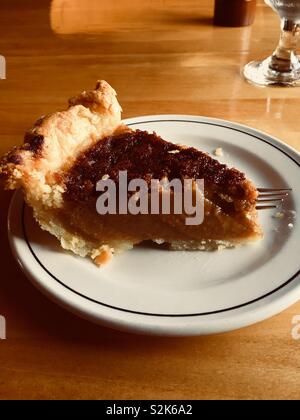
(243, 128)
(135, 325)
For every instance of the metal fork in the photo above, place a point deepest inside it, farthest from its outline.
(271, 198)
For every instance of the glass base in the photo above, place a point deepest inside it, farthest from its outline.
(260, 73)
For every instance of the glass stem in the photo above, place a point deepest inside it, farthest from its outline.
(284, 58)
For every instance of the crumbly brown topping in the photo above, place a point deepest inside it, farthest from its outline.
(147, 156)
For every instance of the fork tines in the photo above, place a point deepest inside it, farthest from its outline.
(273, 190)
(270, 196)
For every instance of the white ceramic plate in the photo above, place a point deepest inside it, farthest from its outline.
(154, 291)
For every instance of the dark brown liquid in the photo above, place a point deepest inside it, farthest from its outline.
(234, 12)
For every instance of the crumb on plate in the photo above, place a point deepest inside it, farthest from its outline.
(219, 152)
(279, 215)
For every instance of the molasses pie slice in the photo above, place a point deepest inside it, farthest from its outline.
(66, 154)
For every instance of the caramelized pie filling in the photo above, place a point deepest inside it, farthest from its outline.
(147, 156)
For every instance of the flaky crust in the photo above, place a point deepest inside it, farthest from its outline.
(56, 140)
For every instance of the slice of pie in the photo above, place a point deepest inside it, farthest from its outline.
(66, 154)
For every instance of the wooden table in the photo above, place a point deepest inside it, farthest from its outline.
(162, 57)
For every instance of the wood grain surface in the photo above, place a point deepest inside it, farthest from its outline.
(162, 57)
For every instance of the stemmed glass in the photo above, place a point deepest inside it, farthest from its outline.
(283, 67)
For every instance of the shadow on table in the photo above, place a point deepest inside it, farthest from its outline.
(70, 17)
(188, 19)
